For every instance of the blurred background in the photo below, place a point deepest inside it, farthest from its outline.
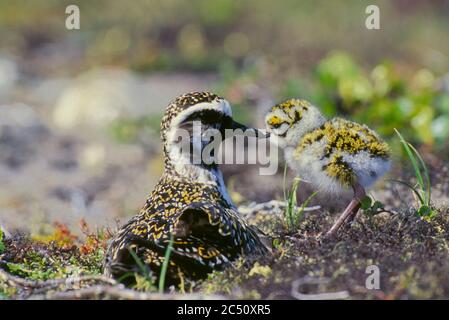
(80, 109)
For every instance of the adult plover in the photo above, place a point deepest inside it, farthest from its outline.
(189, 204)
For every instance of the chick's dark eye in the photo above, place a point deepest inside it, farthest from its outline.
(277, 125)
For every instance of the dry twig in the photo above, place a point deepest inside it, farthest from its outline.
(315, 296)
(275, 206)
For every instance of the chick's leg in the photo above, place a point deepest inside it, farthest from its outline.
(350, 211)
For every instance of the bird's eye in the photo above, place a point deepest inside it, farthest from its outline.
(205, 116)
(277, 125)
(281, 129)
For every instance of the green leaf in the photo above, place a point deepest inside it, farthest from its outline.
(412, 159)
(165, 264)
(365, 203)
(424, 211)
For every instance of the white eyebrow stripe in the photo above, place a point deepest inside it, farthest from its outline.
(220, 105)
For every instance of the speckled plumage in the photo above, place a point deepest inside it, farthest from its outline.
(188, 202)
(334, 155)
(331, 154)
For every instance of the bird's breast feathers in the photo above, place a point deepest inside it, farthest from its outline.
(340, 151)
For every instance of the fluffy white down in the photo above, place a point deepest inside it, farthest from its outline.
(308, 167)
(310, 162)
(368, 170)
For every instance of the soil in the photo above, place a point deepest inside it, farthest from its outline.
(55, 180)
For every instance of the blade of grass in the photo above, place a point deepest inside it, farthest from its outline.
(139, 262)
(421, 200)
(426, 174)
(304, 204)
(125, 276)
(292, 201)
(284, 183)
(146, 273)
(412, 158)
(165, 265)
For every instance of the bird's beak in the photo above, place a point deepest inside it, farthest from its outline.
(242, 129)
